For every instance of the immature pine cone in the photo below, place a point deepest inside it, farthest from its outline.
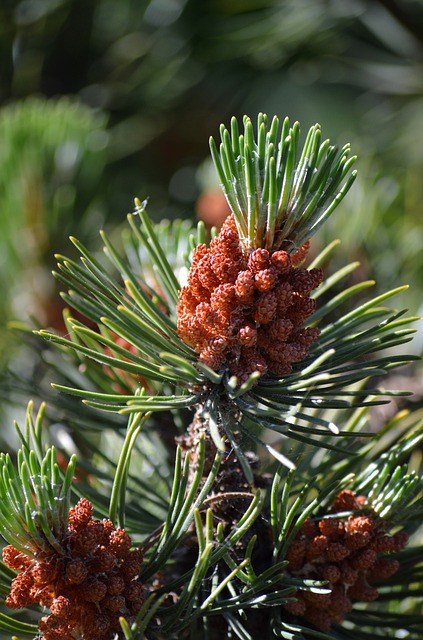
(88, 587)
(345, 551)
(246, 312)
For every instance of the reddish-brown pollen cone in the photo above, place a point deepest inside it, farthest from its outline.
(350, 553)
(246, 311)
(88, 587)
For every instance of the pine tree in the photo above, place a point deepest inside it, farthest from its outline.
(219, 392)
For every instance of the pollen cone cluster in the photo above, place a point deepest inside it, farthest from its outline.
(246, 311)
(350, 553)
(88, 587)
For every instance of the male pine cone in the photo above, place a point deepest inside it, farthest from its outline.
(88, 587)
(245, 311)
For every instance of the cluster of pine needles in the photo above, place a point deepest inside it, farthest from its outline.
(208, 462)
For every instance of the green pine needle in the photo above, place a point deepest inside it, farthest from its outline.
(280, 197)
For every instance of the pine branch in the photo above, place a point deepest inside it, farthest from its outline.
(282, 512)
(132, 337)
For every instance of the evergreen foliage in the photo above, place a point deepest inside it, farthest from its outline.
(280, 512)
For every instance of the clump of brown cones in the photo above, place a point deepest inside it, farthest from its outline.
(247, 311)
(349, 553)
(87, 587)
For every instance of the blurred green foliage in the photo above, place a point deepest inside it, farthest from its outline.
(147, 83)
(51, 154)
